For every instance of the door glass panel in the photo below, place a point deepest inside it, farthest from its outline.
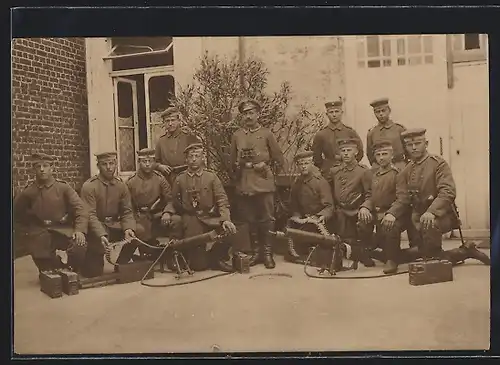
(126, 126)
(161, 89)
(414, 44)
(373, 48)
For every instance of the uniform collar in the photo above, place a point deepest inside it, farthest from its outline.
(143, 176)
(174, 133)
(336, 127)
(197, 173)
(348, 168)
(422, 160)
(106, 182)
(387, 125)
(381, 171)
(248, 130)
(46, 184)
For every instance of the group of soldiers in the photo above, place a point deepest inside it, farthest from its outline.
(174, 195)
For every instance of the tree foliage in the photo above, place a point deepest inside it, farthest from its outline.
(209, 107)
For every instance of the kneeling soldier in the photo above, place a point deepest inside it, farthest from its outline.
(199, 205)
(430, 191)
(110, 215)
(351, 186)
(52, 216)
(310, 197)
(150, 193)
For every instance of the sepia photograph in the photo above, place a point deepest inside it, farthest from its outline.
(250, 194)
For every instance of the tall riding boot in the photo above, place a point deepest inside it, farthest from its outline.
(360, 254)
(265, 240)
(409, 255)
(292, 255)
(392, 242)
(256, 257)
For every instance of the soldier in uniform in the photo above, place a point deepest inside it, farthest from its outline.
(254, 153)
(111, 216)
(169, 152)
(386, 129)
(389, 218)
(351, 187)
(430, 192)
(51, 216)
(325, 147)
(310, 197)
(199, 205)
(150, 193)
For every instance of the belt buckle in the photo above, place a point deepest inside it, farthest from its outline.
(378, 209)
(108, 219)
(47, 222)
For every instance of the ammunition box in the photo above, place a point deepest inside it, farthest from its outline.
(70, 282)
(241, 264)
(430, 272)
(51, 284)
(135, 271)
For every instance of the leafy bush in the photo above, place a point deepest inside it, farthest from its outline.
(209, 107)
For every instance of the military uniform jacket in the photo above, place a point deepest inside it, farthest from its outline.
(431, 184)
(109, 204)
(384, 190)
(50, 203)
(325, 148)
(170, 147)
(390, 131)
(351, 186)
(145, 190)
(266, 149)
(199, 194)
(311, 195)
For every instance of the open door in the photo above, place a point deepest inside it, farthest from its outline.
(126, 124)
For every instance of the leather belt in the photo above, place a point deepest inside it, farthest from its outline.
(110, 219)
(145, 209)
(381, 209)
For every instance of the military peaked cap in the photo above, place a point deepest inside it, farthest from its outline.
(347, 142)
(248, 105)
(302, 155)
(146, 152)
(106, 155)
(193, 147)
(379, 102)
(382, 144)
(334, 104)
(416, 133)
(40, 157)
(169, 111)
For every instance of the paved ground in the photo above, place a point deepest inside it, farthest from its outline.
(235, 313)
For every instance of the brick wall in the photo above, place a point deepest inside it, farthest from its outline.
(49, 107)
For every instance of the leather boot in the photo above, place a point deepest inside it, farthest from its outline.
(474, 253)
(464, 252)
(265, 241)
(409, 254)
(292, 255)
(390, 267)
(361, 255)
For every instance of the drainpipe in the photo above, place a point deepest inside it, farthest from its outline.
(449, 61)
(241, 60)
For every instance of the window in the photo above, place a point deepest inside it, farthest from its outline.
(394, 50)
(469, 47)
(140, 52)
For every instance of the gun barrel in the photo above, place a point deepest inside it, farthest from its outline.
(300, 236)
(197, 240)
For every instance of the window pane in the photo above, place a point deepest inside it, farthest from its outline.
(372, 42)
(361, 49)
(387, 62)
(127, 150)
(161, 89)
(386, 48)
(471, 41)
(428, 59)
(414, 44)
(401, 46)
(373, 63)
(401, 61)
(415, 60)
(427, 44)
(125, 100)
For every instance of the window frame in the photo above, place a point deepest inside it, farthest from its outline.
(469, 55)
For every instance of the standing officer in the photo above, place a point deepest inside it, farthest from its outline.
(351, 186)
(254, 151)
(389, 218)
(325, 147)
(386, 129)
(110, 214)
(150, 193)
(199, 205)
(310, 197)
(430, 192)
(169, 152)
(52, 216)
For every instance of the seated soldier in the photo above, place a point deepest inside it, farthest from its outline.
(150, 193)
(52, 217)
(351, 186)
(429, 189)
(199, 205)
(111, 217)
(311, 197)
(388, 218)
